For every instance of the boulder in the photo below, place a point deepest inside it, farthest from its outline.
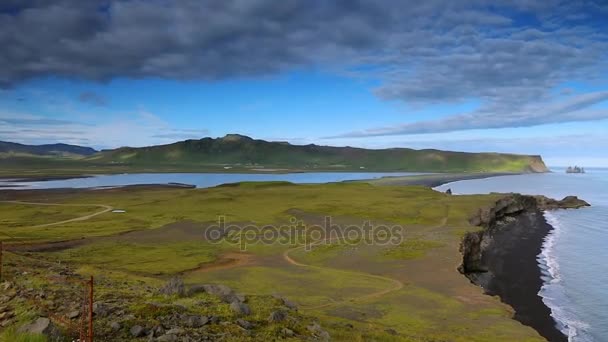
(101, 310)
(175, 286)
(226, 294)
(175, 331)
(167, 338)
(286, 302)
(115, 326)
(240, 309)
(318, 332)
(73, 314)
(42, 326)
(287, 332)
(244, 324)
(277, 316)
(196, 321)
(391, 331)
(137, 331)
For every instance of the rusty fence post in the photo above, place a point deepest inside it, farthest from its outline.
(91, 309)
(1, 250)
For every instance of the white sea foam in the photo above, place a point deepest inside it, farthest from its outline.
(552, 292)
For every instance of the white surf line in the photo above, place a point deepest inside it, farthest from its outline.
(106, 208)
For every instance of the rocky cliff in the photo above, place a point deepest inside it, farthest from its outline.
(501, 257)
(537, 165)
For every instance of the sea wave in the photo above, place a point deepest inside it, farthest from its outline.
(553, 292)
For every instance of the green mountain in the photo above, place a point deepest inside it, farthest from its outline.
(50, 150)
(237, 151)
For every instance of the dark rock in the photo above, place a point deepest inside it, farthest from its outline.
(196, 321)
(448, 191)
(244, 324)
(137, 331)
(173, 287)
(115, 326)
(167, 338)
(101, 310)
(277, 316)
(286, 302)
(42, 326)
(568, 202)
(240, 309)
(391, 331)
(316, 330)
(287, 332)
(503, 210)
(175, 331)
(226, 294)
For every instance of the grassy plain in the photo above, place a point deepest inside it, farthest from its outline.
(408, 291)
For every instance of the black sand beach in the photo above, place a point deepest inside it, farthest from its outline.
(433, 180)
(513, 272)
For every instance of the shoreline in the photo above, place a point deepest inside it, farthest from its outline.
(434, 179)
(502, 259)
(520, 281)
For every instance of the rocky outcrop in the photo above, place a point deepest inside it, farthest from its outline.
(537, 165)
(568, 202)
(473, 244)
(501, 257)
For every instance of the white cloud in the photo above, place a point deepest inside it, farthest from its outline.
(137, 128)
(573, 109)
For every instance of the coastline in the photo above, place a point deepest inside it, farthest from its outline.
(502, 257)
(516, 274)
(434, 179)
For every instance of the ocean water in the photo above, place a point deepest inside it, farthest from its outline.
(574, 258)
(201, 180)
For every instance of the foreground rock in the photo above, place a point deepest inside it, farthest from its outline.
(175, 287)
(41, 326)
(225, 293)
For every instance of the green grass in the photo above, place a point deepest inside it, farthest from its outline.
(429, 306)
(11, 335)
(411, 249)
(154, 259)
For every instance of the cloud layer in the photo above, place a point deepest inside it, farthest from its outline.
(506, 52)
(117, 130)
(573, 109)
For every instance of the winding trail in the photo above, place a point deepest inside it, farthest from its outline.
(106, 208)
(397, 285)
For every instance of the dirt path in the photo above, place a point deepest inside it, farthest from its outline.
(224, 262)
(106, 208)
(397, 285)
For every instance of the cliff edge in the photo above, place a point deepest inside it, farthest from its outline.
(501, 257)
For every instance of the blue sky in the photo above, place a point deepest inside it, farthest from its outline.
(515, 76)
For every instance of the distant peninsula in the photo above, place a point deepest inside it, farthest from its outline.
(239, 153)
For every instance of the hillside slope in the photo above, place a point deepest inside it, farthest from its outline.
(65, 150)
(241, 151)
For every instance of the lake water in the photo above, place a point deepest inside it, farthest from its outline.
(201, 180)
(575, 255)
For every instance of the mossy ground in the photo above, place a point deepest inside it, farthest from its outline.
(162, 234)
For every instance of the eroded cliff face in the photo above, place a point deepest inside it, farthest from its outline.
(537, 165)
(501, 256)
(496, 217)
